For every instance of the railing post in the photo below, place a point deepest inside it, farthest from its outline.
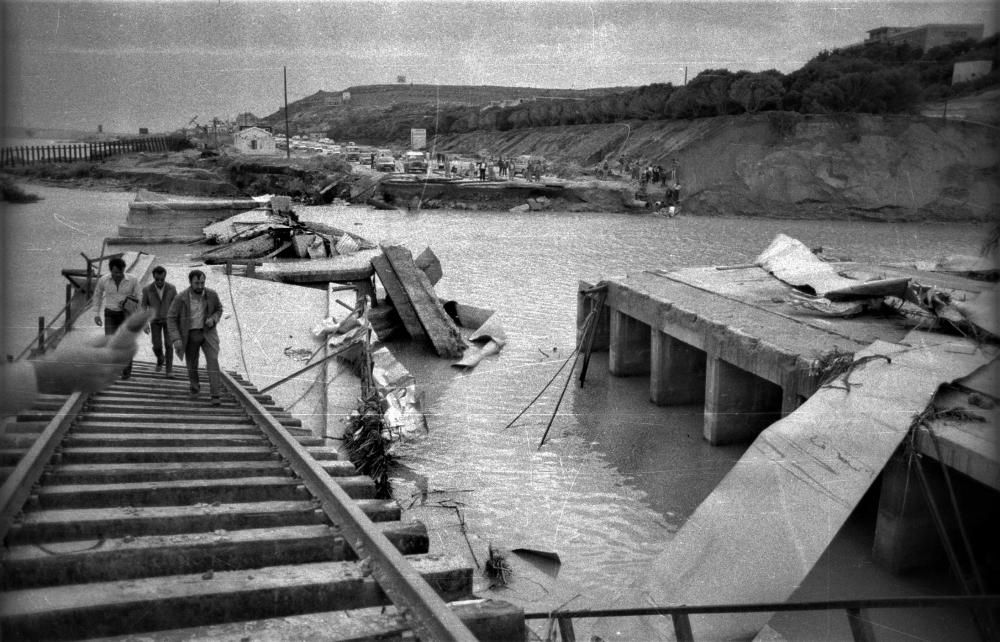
(682, 627)
(861, 626)
(41, 335)
(566, 629)
(68, 322)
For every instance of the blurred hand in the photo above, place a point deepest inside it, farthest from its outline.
(179, 350)
(146, 329)
(90, 365)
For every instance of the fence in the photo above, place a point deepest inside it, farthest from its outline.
(96, 151)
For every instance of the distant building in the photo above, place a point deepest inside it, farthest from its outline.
(346, 96)
(246, 119)
(969, 70)
(254, 140)
(926, 36)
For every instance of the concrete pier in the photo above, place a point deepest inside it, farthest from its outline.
(729, 339)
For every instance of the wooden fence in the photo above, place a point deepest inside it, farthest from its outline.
(96, 151)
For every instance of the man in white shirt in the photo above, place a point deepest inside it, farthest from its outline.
(113, 293)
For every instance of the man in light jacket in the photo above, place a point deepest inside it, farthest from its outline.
(157, 296)
(191, 324)
(114, 294)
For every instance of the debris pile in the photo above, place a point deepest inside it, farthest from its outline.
(819, 288)
(273, 231)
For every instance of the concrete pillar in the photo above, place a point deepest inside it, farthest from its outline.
(677, 371)
(738, 404)
(629, 346)
(905, 535)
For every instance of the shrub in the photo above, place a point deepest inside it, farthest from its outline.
(12, 193)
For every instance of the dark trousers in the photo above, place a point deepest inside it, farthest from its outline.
(158, 330)
(113, 319)
(195, 344)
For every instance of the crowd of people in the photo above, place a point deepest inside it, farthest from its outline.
(646, 175)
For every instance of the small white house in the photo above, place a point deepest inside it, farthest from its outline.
(254, 140)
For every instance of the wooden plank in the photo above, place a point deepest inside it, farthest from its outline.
(109, 608)
(773, 515)
(489, 621)
(400, 299)
(441, 330)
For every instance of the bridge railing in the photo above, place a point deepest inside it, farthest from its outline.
(857, 611)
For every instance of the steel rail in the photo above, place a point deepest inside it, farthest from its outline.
(424, 609)
(17, 488)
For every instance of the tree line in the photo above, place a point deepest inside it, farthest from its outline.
(874, 78)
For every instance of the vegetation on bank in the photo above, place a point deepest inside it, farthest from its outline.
(875, 78)
(11, 193)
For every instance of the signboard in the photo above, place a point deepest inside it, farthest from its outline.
(418, 138)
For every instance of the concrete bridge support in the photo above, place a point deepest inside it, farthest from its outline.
(629, 351)
(905, 535)
(738, 404)
(677, 371)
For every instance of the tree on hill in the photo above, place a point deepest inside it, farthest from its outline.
(756, 90)
(877, 77)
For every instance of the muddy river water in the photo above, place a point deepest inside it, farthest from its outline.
(617, 475)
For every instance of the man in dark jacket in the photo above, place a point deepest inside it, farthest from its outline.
(157, 296)
(191, 323)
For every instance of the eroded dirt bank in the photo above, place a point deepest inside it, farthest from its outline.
(787, 165)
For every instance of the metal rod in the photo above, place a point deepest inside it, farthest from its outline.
(767, 607)
(308, 367)
(41, 335)
(288, 147)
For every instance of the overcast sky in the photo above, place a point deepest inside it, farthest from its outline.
(135, 64)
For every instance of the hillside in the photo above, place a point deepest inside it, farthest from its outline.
(885, 168)
(383, 114)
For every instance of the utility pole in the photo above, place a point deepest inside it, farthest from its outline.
(685, 75)
(288, 147)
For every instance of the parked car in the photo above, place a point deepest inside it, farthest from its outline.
(415, 163)
(384, 161)
(352, 152)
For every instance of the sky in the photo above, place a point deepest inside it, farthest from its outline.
(161, 64)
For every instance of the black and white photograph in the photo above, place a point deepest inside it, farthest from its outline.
(505, 320)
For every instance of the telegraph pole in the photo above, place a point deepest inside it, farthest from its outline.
(288, 147)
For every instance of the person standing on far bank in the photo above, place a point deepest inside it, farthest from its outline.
(117, 294)
(191, 323)
(157, 296)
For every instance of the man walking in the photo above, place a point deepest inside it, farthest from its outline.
(157, 296)
(191, 324)
(117, 294)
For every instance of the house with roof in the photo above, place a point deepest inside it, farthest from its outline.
(254, 140)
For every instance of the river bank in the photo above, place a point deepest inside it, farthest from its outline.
(783, 165)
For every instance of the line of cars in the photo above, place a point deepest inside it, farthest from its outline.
(383, 160)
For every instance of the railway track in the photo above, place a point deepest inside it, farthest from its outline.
(139, 512)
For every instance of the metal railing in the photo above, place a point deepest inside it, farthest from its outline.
(856, 610)
(49, 334)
